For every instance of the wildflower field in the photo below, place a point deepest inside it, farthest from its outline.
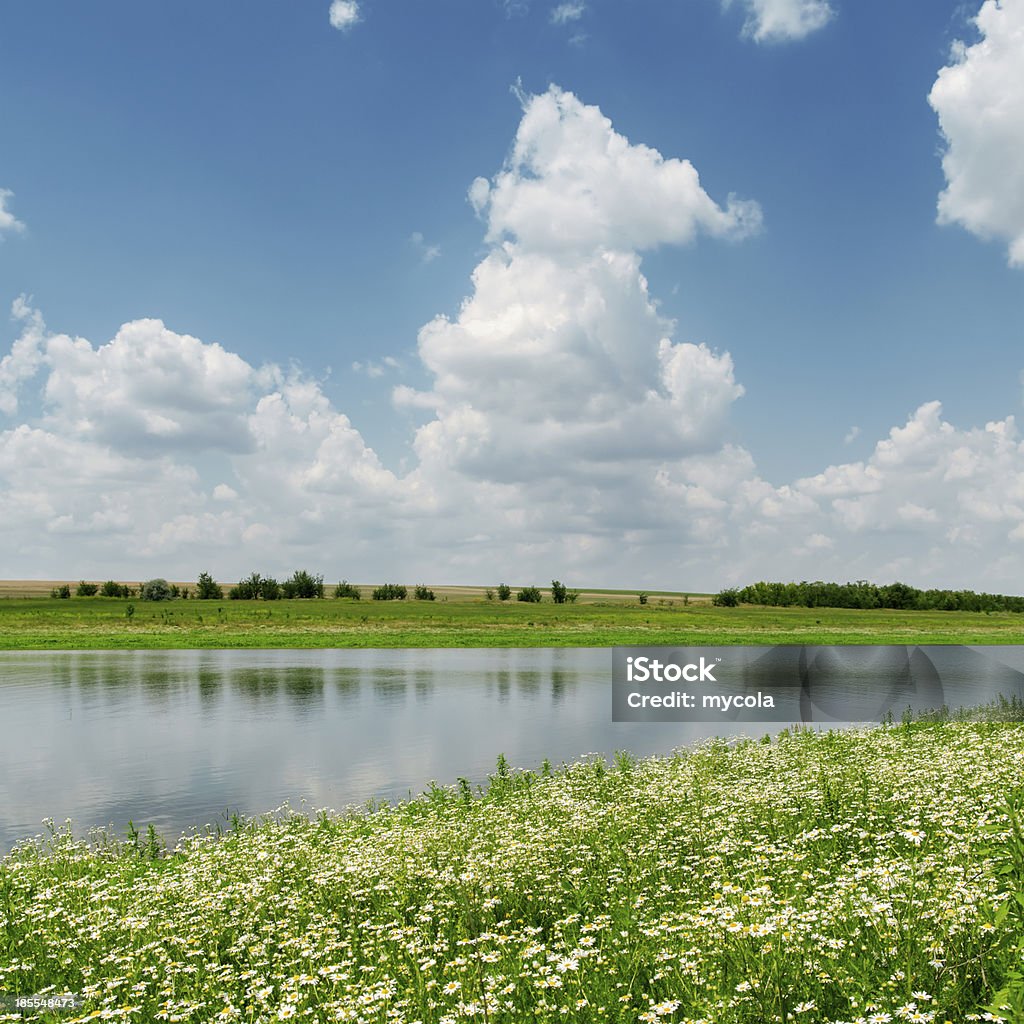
(852, 876)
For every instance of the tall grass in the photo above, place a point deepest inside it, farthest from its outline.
(866, 876)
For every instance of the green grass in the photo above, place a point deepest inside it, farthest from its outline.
(857, 876)
(79, 623)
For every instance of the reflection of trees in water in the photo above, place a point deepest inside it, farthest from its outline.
(304, 686)
(504, 681)
(256, 683)
(61, 670)
(528, 681)
(424, 682)
(156, 678)
(89, 672)
(389, 685)
(211, 681)
(347, 682)
(562, 682)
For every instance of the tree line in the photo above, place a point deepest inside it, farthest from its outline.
(301, 584)
(862, 594)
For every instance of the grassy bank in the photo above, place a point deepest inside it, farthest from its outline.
(471, 621)
(862, 876)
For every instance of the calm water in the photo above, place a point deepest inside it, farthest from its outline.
(180, 738)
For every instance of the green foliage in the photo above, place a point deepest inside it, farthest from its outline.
(390, 592)
(729, 598)
(529, 594)
(86, 589)
(270, 589)
(421, 593)
(558, 592)
(62, 592)
(155, 590)
(489, 594)
(207, 589)
(302, 584)
(346, 589)
(504, 591)
(862, 594)
(247, 589)
(642, 597)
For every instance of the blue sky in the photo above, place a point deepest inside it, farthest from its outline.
(292, 199)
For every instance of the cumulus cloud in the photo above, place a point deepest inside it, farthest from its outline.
(979, 99)
(344, 14)
(150, 389)
(8, 222)
(573, 182)
(559, 363)
(25, 357)
(776, 21)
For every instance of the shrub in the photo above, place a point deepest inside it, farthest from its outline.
(571, 596)
(86, 589)
(302, 584)
(390, 592)
(729, 598)
(270, 589)
(530, 595)
(489, 594)
(207, 589)
(346, 589)
(504, 591)
(247, 589)
(558, 592)
(155, 590)
(642, 597)
(112, 589)
(422, 594)
(63, 591)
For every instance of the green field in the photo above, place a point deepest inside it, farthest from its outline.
(467, 620)
(863, 877)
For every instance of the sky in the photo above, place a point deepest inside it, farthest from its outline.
(672, 294)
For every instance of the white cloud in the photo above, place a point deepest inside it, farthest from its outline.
(428, 253)
(8, 222)
(775, 21)
(979, 99)
(150, 389)
(23, 361)
(851, 435)
(344, 14)
(559, 362)
(568, 12)
(572, 182)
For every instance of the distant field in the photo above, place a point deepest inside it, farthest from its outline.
(463, 617)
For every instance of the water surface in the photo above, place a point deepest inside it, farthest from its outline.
(181, 739)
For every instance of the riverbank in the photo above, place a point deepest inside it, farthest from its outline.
(818, 877)
(469, 620)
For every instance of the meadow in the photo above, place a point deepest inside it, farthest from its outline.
(463, 617)
(863, 876)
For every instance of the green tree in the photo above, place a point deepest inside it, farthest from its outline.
(155, 590)
(207, 589)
